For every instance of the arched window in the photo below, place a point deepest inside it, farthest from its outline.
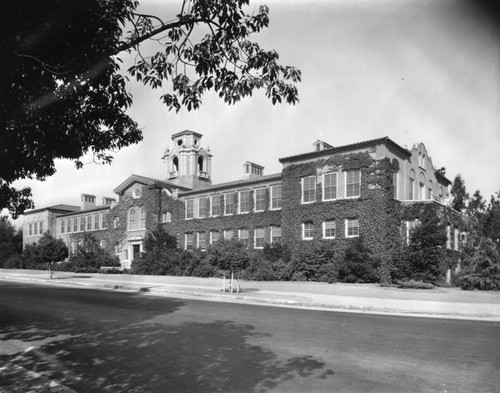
(132, 219)
(430, 190)
(200, 164)
(175, 164)
(421, 186)
(142, 219)
(411, 185)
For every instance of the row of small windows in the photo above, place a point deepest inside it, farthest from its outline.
(330, 186)
(90, 222)
(422, 190)
(329, 229)
(211, 206)
(35, 228)
(260, 237)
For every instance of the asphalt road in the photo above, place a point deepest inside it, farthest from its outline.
(68, 339)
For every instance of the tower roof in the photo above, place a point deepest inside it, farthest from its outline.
(186, 132)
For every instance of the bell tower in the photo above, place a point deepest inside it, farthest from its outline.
(187, 164)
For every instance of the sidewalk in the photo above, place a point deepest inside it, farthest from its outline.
(365, 298)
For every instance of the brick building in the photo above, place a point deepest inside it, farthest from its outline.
(327, 195)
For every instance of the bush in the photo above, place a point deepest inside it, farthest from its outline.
(359, 266)
(311, 262)
(89, 257)
(412, 284)
(261, 268)
(160, 256)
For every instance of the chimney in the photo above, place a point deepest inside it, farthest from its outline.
(252, 171)
(87, 201)
(108, 201)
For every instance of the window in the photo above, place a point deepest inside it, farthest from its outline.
(421, 191)
(276, 197)
(243, 236)
(352, 228)
(189, 241)
(102, 243)
(202, 207)
(202, 243)
(352, 183)
(75, 224)
(329, 229)
(276, 235)
(214, 236)
(215, 205)
(104, 220)
(308, 189)
(244, 201)
(307, 230)
(260, 199)
(329, 186)
(132, 219)
(166, 217)
(259, 237)
(62, 227)
(229, 203)
(89, 223)
(228, 234)
(116, 222)
(96, 221)
(30, 229)
(189, 209)
(82, 224)
(395, 184)
(41, 227)
(142, 218)
(411, 186)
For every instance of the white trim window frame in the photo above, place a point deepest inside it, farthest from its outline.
(308, 189)
(189, 209)
(330, 190)
(201, 240)
(228, 234)
(276, 200)
(259, 238)
(329, 229)
(189, 241)
(244, 202)
(202, 207)
(215, 207)
(244, 236)
(352, 227)
(308, 230)
(214, 236)
(229, 212)
(259, 199)
(352, 183)
(276, 235)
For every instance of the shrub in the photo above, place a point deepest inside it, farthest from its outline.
(359, 265)
(310, 263)
(89, 256)
(160, 256)
(412, 284)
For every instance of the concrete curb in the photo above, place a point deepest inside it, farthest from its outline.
(201, 294)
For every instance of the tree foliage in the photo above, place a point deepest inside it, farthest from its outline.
(458, 193)
(63, 94)
(426, 252)
(11, 241)
(229, 255)
(481, 268)
(89, 256)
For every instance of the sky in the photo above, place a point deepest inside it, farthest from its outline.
(413, 70)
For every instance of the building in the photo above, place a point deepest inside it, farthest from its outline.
(327, 195)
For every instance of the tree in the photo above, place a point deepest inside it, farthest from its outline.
(426, 251)
(52, 250)
(229, 255)
(458, 193)
(481, 267)
(161, 255)
(11, 241)
(63, 93)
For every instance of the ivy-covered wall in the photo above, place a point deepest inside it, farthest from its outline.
(375, 208)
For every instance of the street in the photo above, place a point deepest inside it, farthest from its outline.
(91, 340)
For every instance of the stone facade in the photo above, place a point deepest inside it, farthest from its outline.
(326, 196)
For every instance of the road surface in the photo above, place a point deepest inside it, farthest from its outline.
(68, 339)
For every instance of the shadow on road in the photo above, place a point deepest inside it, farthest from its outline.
(144, 348)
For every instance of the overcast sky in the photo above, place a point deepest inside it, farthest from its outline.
(415, 71)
